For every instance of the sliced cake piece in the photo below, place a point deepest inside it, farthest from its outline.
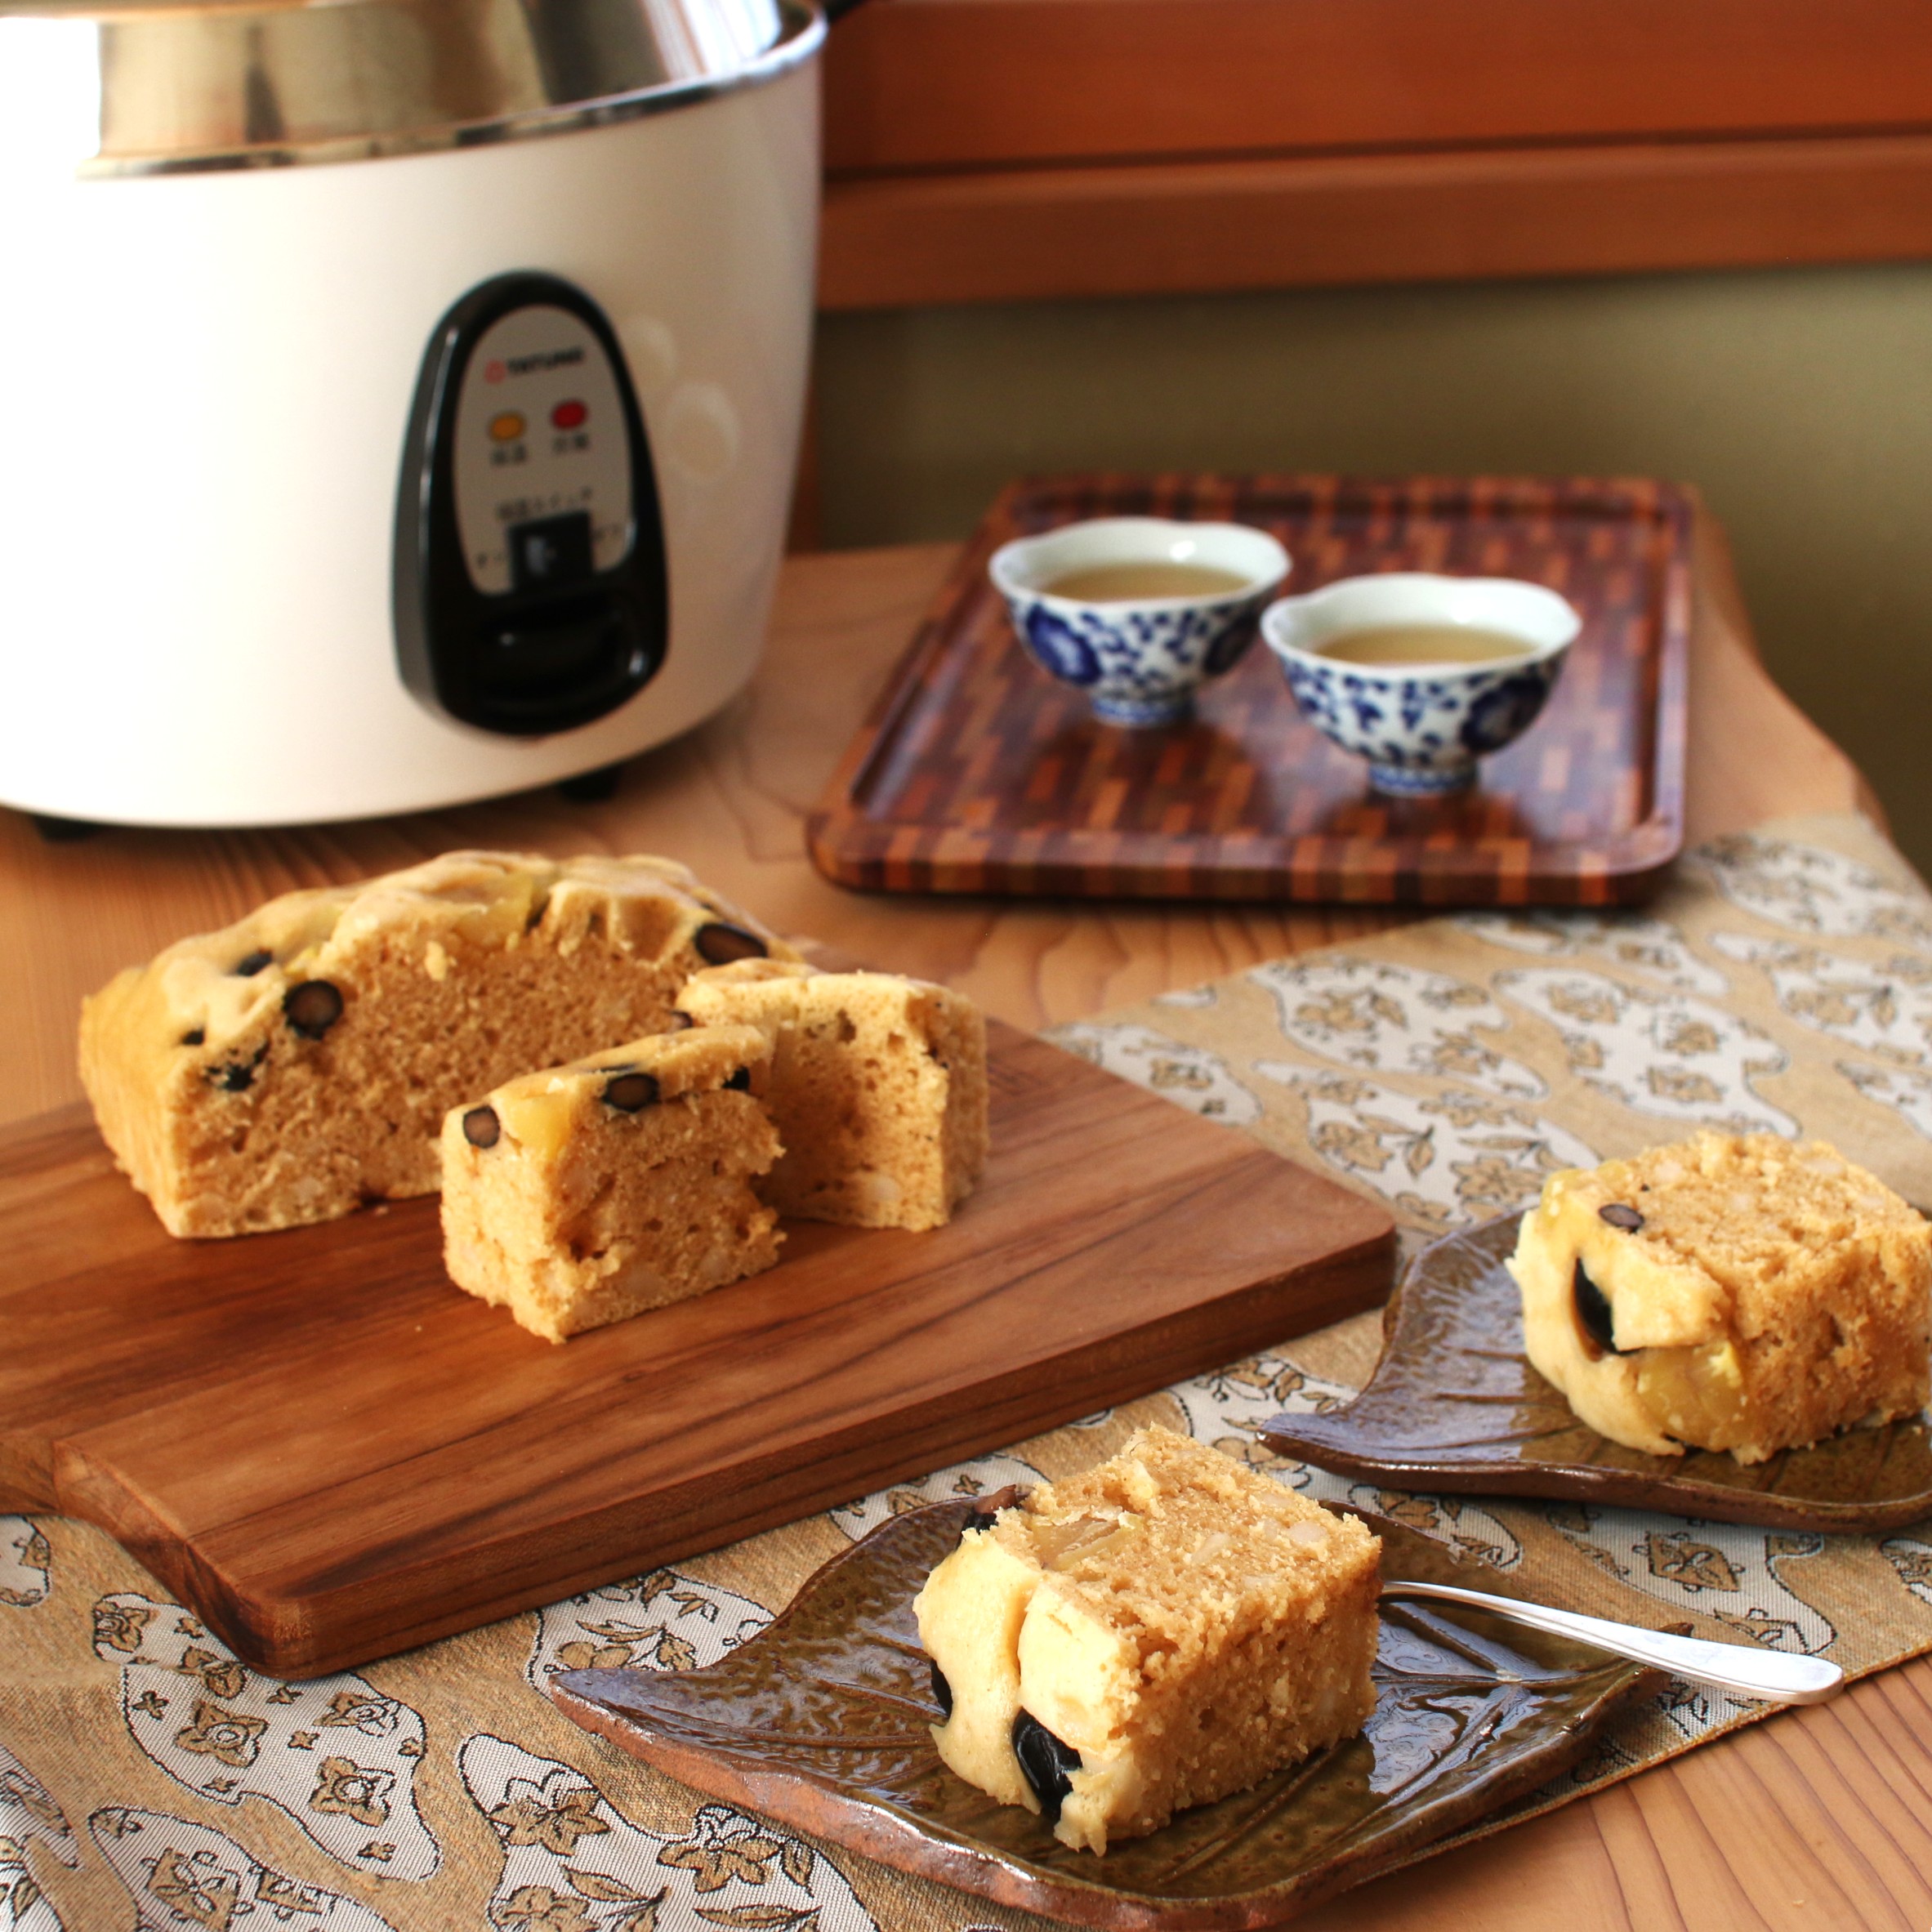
(591, 1191)
(1163, 1630)
(1733, 1292)
(299, 1062)
(878, 1088)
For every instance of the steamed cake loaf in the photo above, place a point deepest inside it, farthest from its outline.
(299, 1062)
(1731, 1292)
(1163, 1630)
(878, 1088)
(591, 1191)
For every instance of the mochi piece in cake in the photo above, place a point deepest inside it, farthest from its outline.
(591, 1191)
(1165, 1630)
(1732, 1292)
(878, 1088)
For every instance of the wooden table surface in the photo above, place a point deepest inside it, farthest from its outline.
(1819, 1818)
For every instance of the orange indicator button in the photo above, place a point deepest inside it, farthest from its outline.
(506, 428)
(568, 416)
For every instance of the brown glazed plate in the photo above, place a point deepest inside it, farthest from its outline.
(822, 1722)
(1454, 1404)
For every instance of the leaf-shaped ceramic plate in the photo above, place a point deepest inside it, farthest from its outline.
(822, 1722)
(1454, 1404)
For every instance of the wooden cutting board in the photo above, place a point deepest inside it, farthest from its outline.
(330, 1454)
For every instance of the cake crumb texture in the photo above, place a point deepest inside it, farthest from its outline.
(299, 1062)
(878, 1088)
(591, 1191)
(1165, 1630)
(1728, 1292)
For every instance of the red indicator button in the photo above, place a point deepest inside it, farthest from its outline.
(568, 416)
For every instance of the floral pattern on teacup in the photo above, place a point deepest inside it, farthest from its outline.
(1138, 666)
(1420, 733)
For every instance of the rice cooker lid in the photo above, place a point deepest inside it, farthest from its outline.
(194, 85)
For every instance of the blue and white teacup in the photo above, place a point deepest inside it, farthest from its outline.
(1139, 658)
(1422, 726)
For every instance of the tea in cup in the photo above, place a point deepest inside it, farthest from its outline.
(1138, 611)
(1421, 674)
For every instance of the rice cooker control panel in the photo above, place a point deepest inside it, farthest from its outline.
(530, 584)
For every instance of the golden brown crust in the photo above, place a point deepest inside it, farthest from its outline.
(299, 1062)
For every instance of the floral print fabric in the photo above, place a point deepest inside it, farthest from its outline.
(150, 1780)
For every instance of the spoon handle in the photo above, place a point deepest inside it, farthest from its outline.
(1752, 1673)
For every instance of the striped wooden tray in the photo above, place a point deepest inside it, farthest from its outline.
(976, 772)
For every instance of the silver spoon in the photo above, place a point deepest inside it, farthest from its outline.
(1741, 1667)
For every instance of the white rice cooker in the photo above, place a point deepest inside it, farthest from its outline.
(402, 396)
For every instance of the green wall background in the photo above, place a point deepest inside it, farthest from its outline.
(1799, 401)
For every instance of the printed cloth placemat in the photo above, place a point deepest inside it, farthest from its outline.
(1782, 983)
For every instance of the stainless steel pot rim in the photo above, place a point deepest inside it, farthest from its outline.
(801, 33)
